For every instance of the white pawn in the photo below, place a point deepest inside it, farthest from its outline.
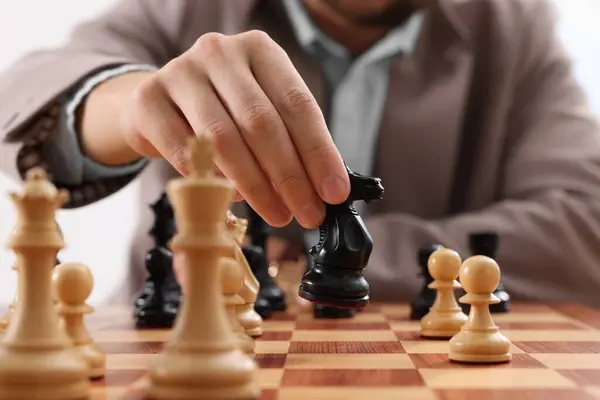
(232, 279)
(72, 285)
(445, 318)
(480, 340)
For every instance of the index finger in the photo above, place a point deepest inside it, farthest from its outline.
(303, 118)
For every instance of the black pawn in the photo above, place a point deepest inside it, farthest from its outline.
(158, 302)
(487, 244)
(269, 294)
(259, 265)
(421, 304)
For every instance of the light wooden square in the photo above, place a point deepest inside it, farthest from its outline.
(278, 326)
(437, 347)
(271, 347)
(338, 393)
(569, 361)
(130, 361)
(349, 361)
(269, 378)
(551, 335)
(494, 378)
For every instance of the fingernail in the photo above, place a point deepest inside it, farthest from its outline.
(334, 190)
(310, 215)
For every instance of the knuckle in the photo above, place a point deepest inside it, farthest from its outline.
(221, 132)
(178, 159)
(290, 179)
(322, 150)
(257, 37)
(259, 117)
(210, 45)
(298, 101)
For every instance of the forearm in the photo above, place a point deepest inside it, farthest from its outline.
(549, 246)
(99, 120)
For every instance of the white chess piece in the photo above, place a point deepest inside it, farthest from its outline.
(445, 318)
(72, 285)
(480, 340)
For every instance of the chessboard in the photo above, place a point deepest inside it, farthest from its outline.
(379, 354)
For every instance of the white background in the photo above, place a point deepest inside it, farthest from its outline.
(99, 235)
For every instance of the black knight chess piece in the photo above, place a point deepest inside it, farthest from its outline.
(326, 312)
(423, 301)
(270, 297)
(336, 279)
(158, 303)
(487, 244)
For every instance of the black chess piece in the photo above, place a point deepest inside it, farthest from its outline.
(269, 293)
(158, 302)
(325, 312)
(421, 304)
(269, 297)
(336, 279)
(487, 244)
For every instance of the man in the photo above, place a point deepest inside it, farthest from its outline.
(467, 110)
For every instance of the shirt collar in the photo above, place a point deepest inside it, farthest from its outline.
(402, 39)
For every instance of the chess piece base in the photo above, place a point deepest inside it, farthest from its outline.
(442, 324)
(218, 375)
(95, 358)
(263, 308)
(249, 319)
(421, 304)
(61, 374)
(479, 347)
(325, 312)
(334, 287)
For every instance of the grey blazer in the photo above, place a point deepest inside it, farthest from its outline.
(484, 128)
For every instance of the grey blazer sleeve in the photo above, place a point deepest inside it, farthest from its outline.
(33, 91)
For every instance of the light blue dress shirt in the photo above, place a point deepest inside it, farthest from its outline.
(356, 87)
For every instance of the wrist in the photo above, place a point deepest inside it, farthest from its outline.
(99, 119)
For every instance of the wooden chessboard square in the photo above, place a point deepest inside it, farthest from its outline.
(119, 378)
(108, 393)
(271, 347)
(333, 325)
(405, 326)
(580, 335)
(345, 393)
(512, 394)
(409, 335)
(569, 361)
(130, 361)
(495, 378)
(158, 335)
(324, 335)
(340, 347)
(351, 377)
(269, 394)
(555, 347)
(593, 391)
(275, 336)
(131, 347)
(437, 346)
(349, 361)
(278, 326)
(550, 316)
(441, 361)
(551, 325)
(358, 317)
(270, 360)
(269, 378)
(583, 377)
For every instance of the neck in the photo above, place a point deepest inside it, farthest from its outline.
(355, 37)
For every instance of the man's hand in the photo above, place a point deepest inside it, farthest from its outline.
(270, 135)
